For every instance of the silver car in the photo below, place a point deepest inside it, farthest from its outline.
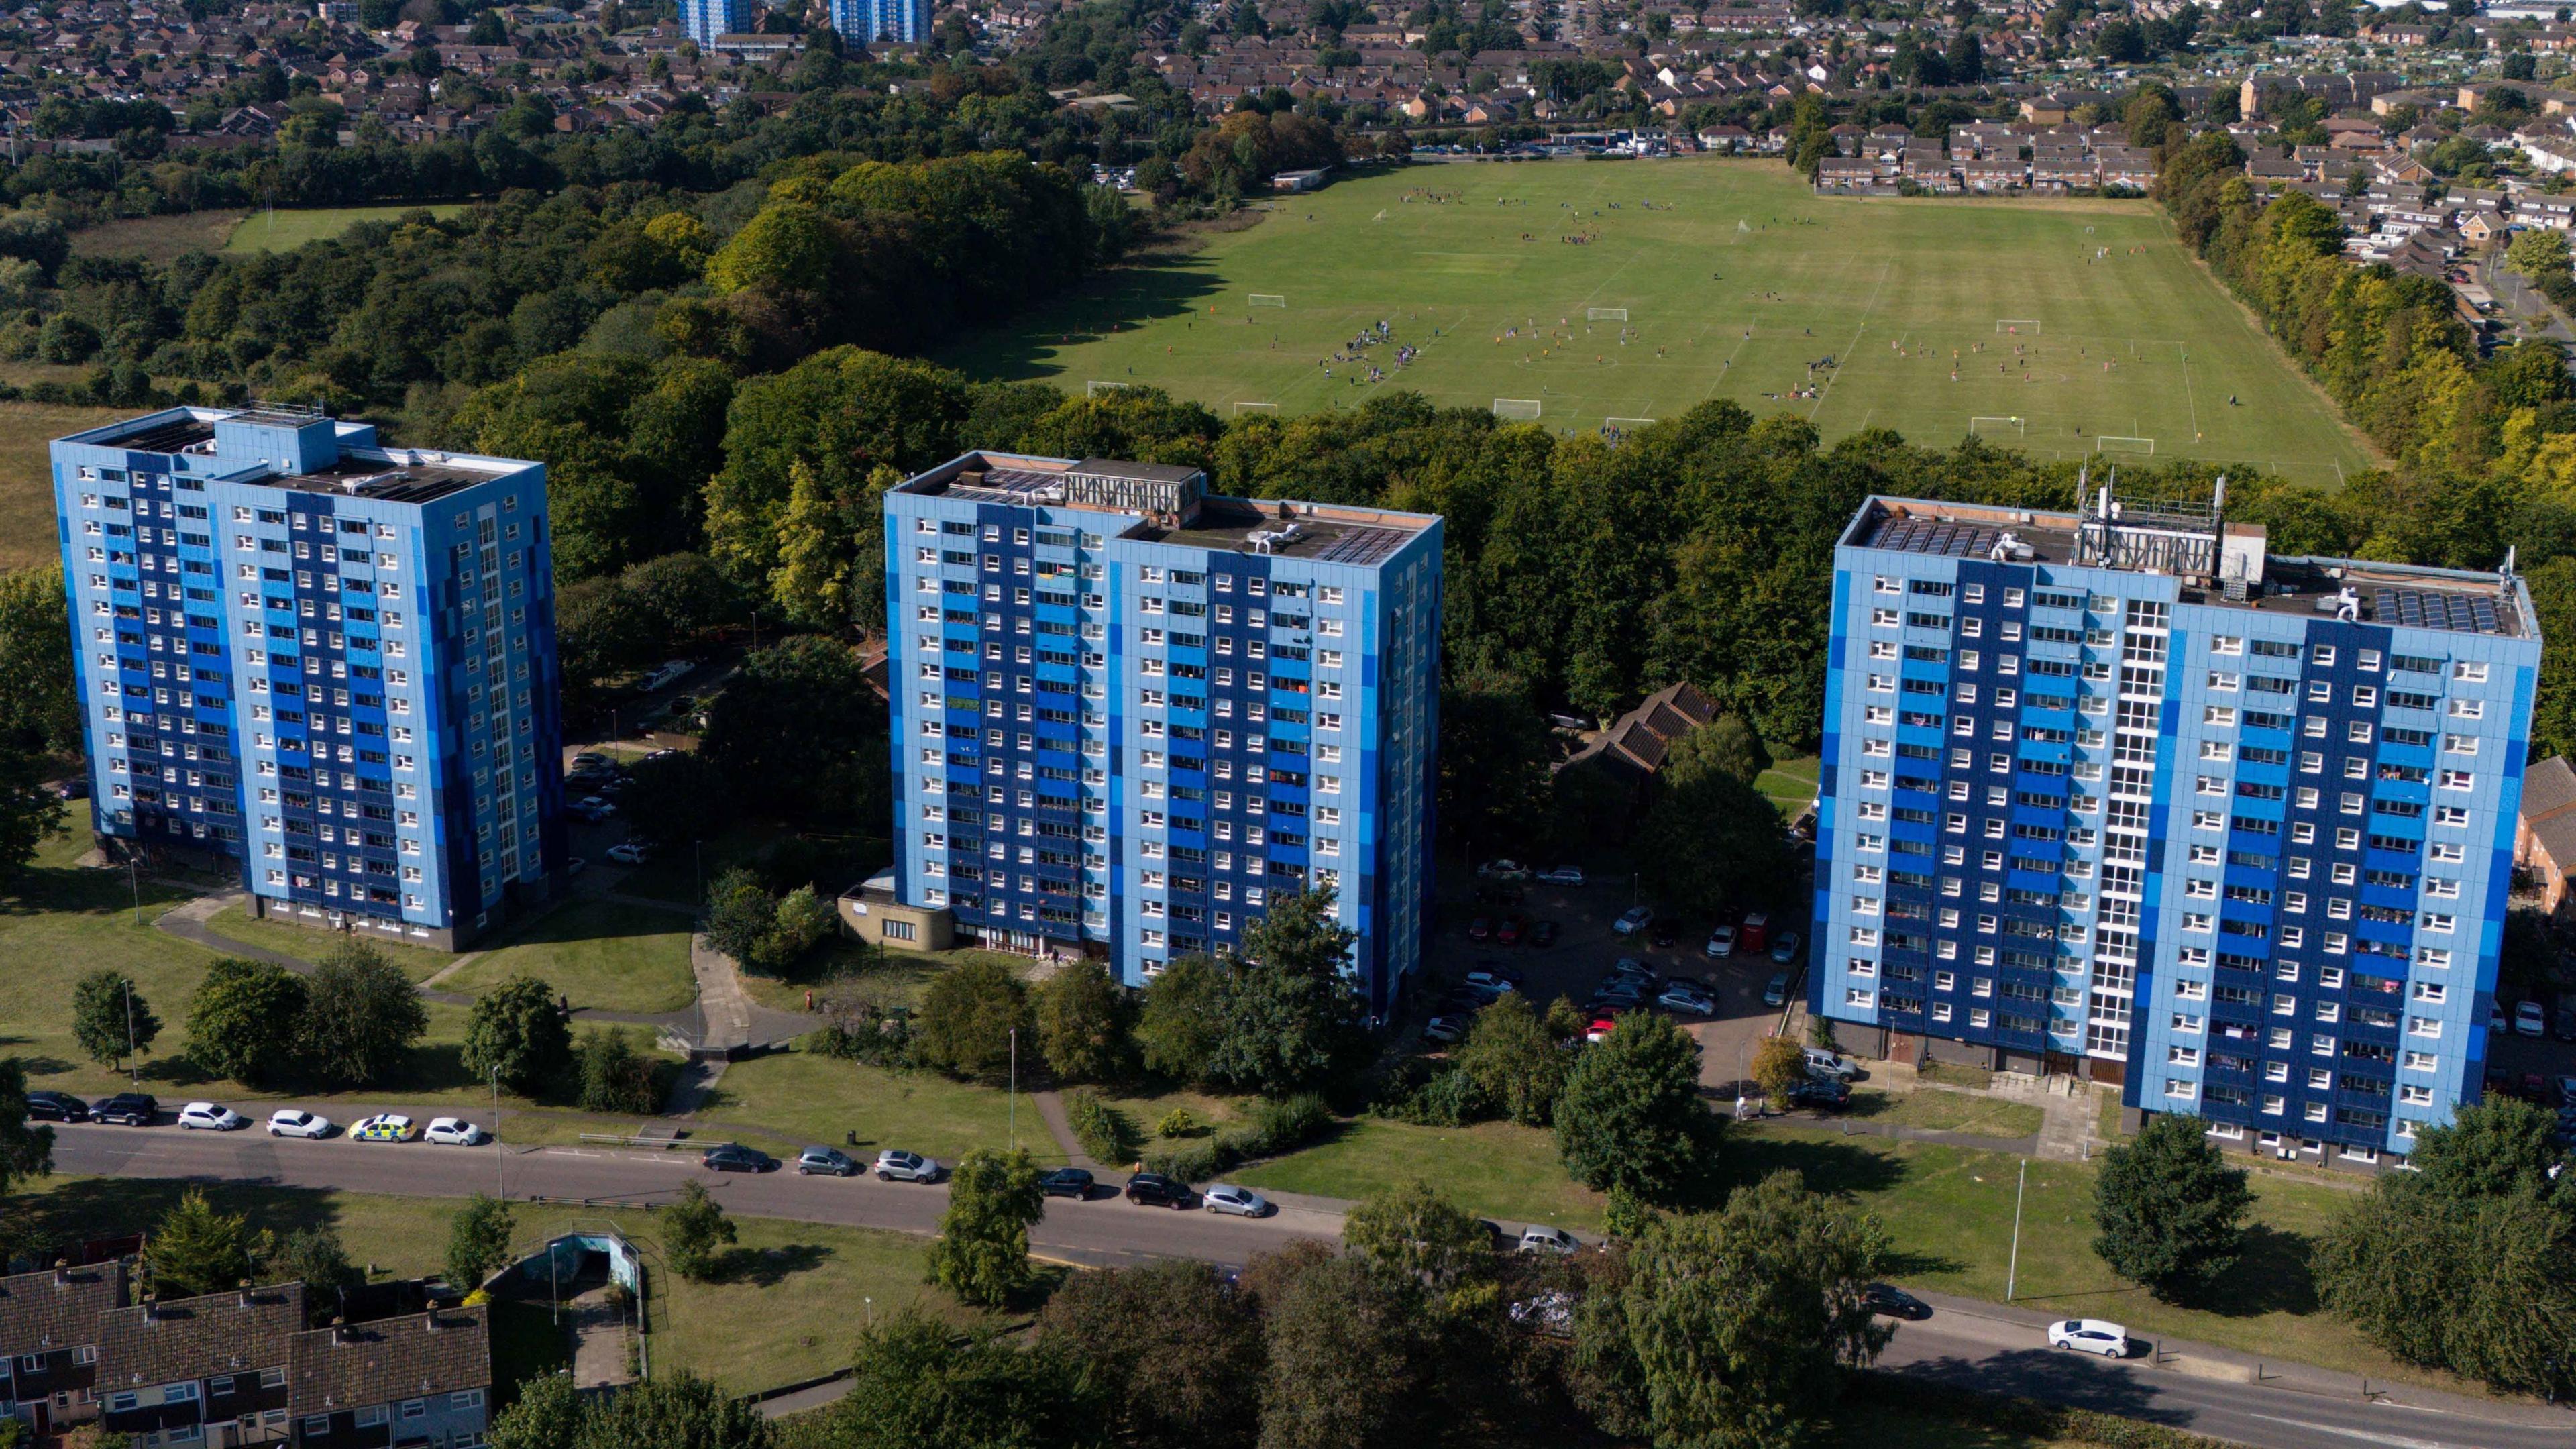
(895, 1166)
(1538, 1239)
(1241, 1201)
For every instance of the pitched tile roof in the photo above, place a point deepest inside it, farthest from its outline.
(390, 1359)
(41, 1312)
(193, 1337)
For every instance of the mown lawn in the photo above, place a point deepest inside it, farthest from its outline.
(310, 943)
(27, 534)
(607, 955)
(284, 231)
(1494, 1168)
(1936, 1110)
(807, 1098)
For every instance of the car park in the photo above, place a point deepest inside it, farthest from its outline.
(2528, 1020)
(627, 852)
(734, 1157)
(1721, 942)
(1480, 929)
(1824, 1094)
(2563, 1025)
(1494, 981)
(1683, 996)
(1755, 934)
(383, 1127)
(598, 807)
(1619, 993)
(43, 1106)
(296, 1122)
(454, 1132)
(898, 1166)
(1153, 1189)
(1510, 931)
(133, 1109)
(1444, 1028)
(1563, 875)
(1784, 948)
(1537, 1238)
(1636, 919)
(2090, 1335)
(1888, 1301)
(1822, 1063)
(1509, 870)
(211, 1117)
(1776, 993)
(1542, 933)
(1072, 1182)
(826, 1162)
(1240, 1202)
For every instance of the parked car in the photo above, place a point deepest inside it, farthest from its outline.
(296, 1122)
(1755, 934)
(1481, 928)
(1153, 1189)
(1664, 936)
(454, 1132)
(1721, 942)
(574, 866)
(43, 1106)
(827, 1161)
(1564, 875)
(2090, 1335)
(592, 757)
(1602, 1025)
(2567, 1091)
(2529, 1019)
(1444, 1028)
(383, 1127)
(2563, 1026)
(628, 852)
(669, 673)
(734, 1157)
(1824, 1094)
(1072, 1182)
(1777, 992)
(1242, 1202)
(1539, 1239)
(1683, 996)
(133, 1109)
(1503, 870)
(1784, 948)
(1636, 919)
(1621, 995)
(1509, 932)
(1489, 979)
(76, 788)
(1542, 933)
(211, 1117)
(895, 1166)
(1822, 1063)
(596, 807)
(2496, 1020)
(1892, 1302)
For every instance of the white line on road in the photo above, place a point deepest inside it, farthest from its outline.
(2394, 1441)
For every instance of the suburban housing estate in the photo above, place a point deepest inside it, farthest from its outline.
(1128, 715)
(327, 663)
(2116, 791)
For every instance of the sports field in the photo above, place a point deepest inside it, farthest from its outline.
(2062, 326)
(282, 231)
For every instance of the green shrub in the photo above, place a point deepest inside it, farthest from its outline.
(1106, 1134)
(1196, 1163)
(1276, 1127)
(1433, 1095)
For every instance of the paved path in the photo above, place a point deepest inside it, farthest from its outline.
(2200, 1387)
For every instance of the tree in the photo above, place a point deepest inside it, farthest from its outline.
(915, 1384)
(1082, 1024)
(784, 734)
(967, 1018)
(693, 1229)
(1514, 1059)
(1631, 1116)
(518, 1034)
(478, 1242)
(242, 1020)
(1412, 1231)
(37, 707)
(1494, 751)
(803, 921)
(1282, 1028)
(1180, 1357)
(674, 800)
(547, 1415)
(617, 1078)
(360, 1015)
(110, 1019)
(1734, 1328)
(1178, 1028)
(315, 1258)
(1301, 934)
(26, 1150)
(674, 1411)
(2537, 252)
(1726, 744)
(740, 911)
(1710, 841)
(2172, 1213)
(196, 1250)
(1349, 1360)
(982, 1253)
(1779, 1064)
(29, 811)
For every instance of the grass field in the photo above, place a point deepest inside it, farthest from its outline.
(603, 954)
(284, 231)
(1735, 281)
(27, 477)
(157, 238)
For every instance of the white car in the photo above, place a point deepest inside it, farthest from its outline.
(1537, 1239)
(1682, 996)
(2529, 1019)
(211, 1117)
(455, 1132)
(906, 1167)
(1503, 870)
(1241, 1201)
(382, 1127)
(1637, 919)
(2090, 1335)
(296, 1122)
(1822, 1063)
(627, 852)
(671, 670)
(574, 866)
(1564, 875)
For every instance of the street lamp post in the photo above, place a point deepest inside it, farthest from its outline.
(2012, 1271)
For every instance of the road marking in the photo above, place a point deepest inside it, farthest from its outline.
(2395, 1441)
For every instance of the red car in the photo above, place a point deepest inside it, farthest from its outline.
(1510, 933)
(1601, 1026)
(1479, 929)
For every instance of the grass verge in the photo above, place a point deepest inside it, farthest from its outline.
(608, 955)
(309, 943)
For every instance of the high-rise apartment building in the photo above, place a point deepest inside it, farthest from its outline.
(1128, 717)
(328, 662)
(2116, 792)
(866, 21)
(704, 20)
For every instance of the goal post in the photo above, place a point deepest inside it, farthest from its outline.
(2142, 447)
(1095, 389)
(1517, 409)
(1980, 426)
(1605, 314)
(1241, 408)
(2017, 324)
(1267, 299)
(1627, 425)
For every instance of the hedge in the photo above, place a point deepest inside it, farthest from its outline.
(1276, 1127)
(1107, 1137)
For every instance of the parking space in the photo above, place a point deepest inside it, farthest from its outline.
(2538, 1067)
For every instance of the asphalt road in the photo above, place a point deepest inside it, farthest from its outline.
(1982, 1345)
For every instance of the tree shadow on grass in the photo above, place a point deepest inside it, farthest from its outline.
(1121, 298)
(1831, 1168)
(770, 1267)
(2273, 1274)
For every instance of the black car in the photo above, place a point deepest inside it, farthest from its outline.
(56, 1107)
(1823, 1094)
(134, 1109)
(734, 1157)
(1664, 936)
(1542, 933)
(1153, 1189)
(1892, 1302)
(1070, 1182)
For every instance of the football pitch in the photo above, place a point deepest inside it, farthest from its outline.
(1590, 293)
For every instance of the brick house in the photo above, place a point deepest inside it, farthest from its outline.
(49, 1342)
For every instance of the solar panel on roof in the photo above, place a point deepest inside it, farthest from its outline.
(1361, 546)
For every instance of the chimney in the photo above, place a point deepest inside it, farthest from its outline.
(429, 1321)
(339, 1332)
(62, 1274)
(151, 1308)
